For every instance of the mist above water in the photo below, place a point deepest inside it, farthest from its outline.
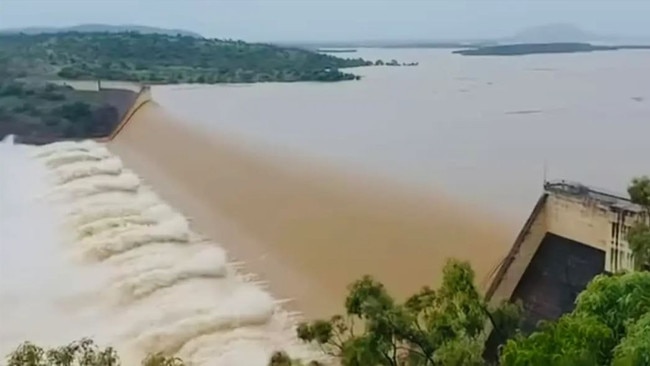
(36, 281)
(89, 251)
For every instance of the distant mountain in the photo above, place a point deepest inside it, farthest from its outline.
(86, 28)
(555, 33)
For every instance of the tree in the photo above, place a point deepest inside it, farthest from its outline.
(78, 353)
(606, 323)
(433, 327)
(616, 300)
(639, 236)
(634, 349)
(639, 191)
(573, 340)
(132, 56)
(639, 242)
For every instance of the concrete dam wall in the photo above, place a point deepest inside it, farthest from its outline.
(573, 234)
(307, 228)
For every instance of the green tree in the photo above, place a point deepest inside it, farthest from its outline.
(159, 359)
(603, 318)
(639, 241)
(639, 191)
(639, 236)
(446, 326)
(152, 57)
(573, 340)
(79, 353)
(634, 349)
(616, 300)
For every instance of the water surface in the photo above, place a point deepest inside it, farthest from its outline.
(479, 128)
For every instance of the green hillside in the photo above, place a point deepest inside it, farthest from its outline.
(158, 58)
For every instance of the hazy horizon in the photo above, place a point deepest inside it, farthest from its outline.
(337, 20)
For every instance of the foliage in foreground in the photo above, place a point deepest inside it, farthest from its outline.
(86, 353)
(80, 353)
(608, 326)
(446, 326)
(639, 236)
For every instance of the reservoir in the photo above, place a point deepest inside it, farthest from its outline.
(478, 128)
(315, 184)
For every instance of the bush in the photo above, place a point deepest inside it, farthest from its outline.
(12, 89)
(51, 96)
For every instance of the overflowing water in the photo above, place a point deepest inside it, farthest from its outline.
(89, 251)
(479, 129)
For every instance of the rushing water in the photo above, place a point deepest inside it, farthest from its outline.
(88, 250)
(479, 128)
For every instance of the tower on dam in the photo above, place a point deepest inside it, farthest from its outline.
(574, 233)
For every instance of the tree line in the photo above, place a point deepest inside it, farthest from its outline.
(159, 58)
(44, 112)
(449, 326)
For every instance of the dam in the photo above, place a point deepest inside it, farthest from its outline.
(158, 239)
(291, 221)
(112, 261)
(574, 233)
(235, 243)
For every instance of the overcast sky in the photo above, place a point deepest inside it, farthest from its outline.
(291, 20)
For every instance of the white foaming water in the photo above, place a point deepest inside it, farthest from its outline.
(85, 169)
(35, 281)
(87, 250)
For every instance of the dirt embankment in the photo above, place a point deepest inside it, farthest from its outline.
(307, 229)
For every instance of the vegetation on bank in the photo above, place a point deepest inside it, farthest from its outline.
(39, 112)
(337, 50)
(158, 58)
(535, 48)
(46, 112)
(449, 326)
(394, 63)
(103, 28)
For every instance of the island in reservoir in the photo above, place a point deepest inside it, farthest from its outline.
(537, 48)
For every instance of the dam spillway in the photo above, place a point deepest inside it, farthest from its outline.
(308, 229)
(304, 229)
(136, 262)
(102, 256)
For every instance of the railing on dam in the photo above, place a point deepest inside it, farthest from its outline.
(143, 97)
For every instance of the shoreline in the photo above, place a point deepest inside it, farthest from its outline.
(308, 231)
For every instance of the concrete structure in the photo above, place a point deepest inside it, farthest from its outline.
(143, 97)
(574, 233)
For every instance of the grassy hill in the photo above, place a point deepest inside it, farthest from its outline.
(158, 58)
(89, 28)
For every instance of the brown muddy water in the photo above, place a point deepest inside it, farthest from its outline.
(309, 230)
(313, 185)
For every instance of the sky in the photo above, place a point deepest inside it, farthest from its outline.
(338, 20)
